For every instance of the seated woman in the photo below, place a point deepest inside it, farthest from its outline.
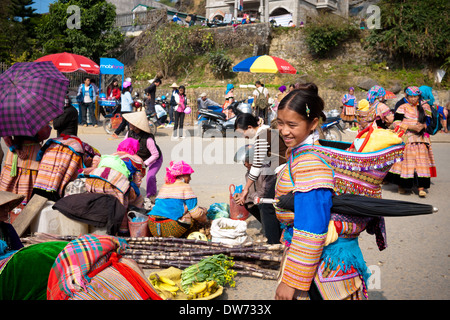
(19, 281)
(119, 175)
(9, 239)
(176, 205)
(59, 162)
(20, 169)
(127, 152)
(92, 268)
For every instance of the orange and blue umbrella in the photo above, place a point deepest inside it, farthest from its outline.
(264, 64)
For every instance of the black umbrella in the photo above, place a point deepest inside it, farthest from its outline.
(357, 205)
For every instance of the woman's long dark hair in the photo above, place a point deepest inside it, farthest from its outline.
(422, 117)
(126, 89)
(245, 120)
(184, 90)
(302, 99)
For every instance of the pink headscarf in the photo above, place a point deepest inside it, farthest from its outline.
(176, 169)
(129, 145)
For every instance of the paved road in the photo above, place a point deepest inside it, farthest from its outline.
(415, 264)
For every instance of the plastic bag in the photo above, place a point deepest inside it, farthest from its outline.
(218, 210)
(229, 231)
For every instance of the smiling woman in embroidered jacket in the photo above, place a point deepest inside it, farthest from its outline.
(322, 257)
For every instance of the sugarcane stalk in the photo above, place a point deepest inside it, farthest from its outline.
(257, 274)
(170, 241)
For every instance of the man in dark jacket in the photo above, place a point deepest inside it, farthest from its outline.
(67, 123)
(150, 92)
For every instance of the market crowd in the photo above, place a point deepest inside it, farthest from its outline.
(322, 258)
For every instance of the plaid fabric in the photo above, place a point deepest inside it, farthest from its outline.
(31, 94)
(69, 272)
(375, 92)
(413, 91)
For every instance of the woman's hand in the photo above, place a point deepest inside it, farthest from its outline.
(284, 292)
(240, 199)
(417, 127)
(23, 155)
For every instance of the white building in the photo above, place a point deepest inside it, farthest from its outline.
(281, 10)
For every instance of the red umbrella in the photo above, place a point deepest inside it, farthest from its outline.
(390, 95)
(69, 62)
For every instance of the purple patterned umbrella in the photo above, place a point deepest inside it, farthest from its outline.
(31, 95)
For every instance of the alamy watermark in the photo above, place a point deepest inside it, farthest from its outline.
(74, 21)
(373, 17)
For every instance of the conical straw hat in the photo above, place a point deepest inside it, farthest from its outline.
(174, 85)
(9, 200)
(138, 119)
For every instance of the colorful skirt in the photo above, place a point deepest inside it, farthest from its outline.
(21, 180)
(348, 113)
(59, 165)
(343, 288)
(418, 159)
(165, 227)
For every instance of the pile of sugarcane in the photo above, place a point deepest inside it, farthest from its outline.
(250, 259)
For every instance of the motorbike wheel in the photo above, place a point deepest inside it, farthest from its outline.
(332, 134)
(152, 126)
(107, 126)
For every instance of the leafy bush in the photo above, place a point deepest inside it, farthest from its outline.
(326, 32)
(220, 64)
(418, 29)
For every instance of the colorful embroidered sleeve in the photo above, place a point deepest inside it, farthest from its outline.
(314, 184)
(312, 215)
(383, 110)
(309, 172)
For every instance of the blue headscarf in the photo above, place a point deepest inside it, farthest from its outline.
(427, 94)
(413, 91)
(374, 93)
(229, 87)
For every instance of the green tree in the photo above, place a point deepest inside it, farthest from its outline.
(327, 31)
(22, 9)
(172, 47)
(17, 23)
(413, 29)
(95, 36)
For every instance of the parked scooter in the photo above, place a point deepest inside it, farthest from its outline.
(332, 128)
(138, 103)
(110, 111)
(217, 120)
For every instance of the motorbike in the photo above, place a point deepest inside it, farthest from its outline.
(138, 103)
(110, 111)
(213, 120)
(332, 128)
